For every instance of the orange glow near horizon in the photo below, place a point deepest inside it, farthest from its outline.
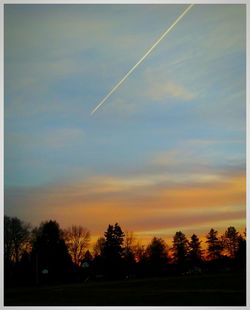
(148, 209)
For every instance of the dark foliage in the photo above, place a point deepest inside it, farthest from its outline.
(230, 241)
(50, 256)
(180, 250)
(157, 257)
(16, 247)
(42, 257)
(195, 251)
(215, 245)
(16, 238)
(112, 251)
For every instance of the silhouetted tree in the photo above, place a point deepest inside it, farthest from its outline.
(231, 241)
(16, 238)
(115, 254)
(195, 251)
(240, 255)
(16, 246)
(112, 251)
(77, 240)
(156, 250)
(157, 255)
(180, 248)
(214, 247)
(50, 252)
(114, 237)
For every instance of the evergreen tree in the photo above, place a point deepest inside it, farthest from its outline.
(195, 251)
(113, 241)
(231, 241)
(157, 255)
(50, 252)
(112, 250)
(214, 247)
(156, 250)
(240, 255)
(180, 248)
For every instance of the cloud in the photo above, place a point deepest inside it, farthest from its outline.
(138, 204)
(162, 82)
(162, 90)
(232, 19)
(64, 137)
(196, 153)
(47, 139)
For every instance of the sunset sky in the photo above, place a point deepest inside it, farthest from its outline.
(165, 153)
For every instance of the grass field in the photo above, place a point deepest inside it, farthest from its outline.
(200, 290)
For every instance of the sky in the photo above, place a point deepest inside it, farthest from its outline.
(166, 152)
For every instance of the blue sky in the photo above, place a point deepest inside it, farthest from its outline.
(178, 120)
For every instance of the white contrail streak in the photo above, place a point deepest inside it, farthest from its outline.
(141, 60)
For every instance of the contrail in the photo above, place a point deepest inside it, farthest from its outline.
(141, 60)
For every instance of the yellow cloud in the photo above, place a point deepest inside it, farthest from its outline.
(143, 204)
(162, 90)
(230, 191)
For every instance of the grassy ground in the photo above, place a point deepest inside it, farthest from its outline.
(201, 290)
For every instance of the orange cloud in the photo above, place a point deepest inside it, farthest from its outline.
(147, 207)
(230, 191)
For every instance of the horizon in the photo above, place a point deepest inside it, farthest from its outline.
(145, 240)
(167, 151)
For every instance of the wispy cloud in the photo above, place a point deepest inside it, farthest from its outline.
(102, 200)
(162, 90)
(197, 153)
(53, 138)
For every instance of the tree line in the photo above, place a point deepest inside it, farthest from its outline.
(49, 254)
